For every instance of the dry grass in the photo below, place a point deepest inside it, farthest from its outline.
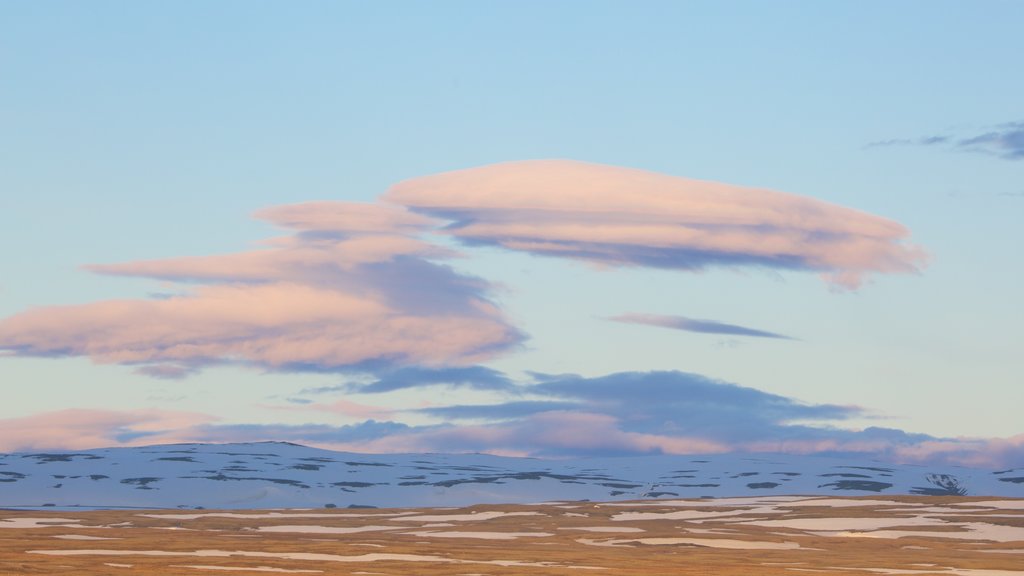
(945, 548)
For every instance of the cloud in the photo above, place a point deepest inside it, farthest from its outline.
(664, 402)
(472, 377)
(342, 406)
(626, 414)
(546, 434)
(679, 413)
(352, 288)
(167, 371)
(695, 325)
(392, 379)
(78, 429)
(1004, 141)
(625, 217)
(503, 411)
(342, 437)
(923, 141)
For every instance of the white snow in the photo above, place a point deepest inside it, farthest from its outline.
(372, 557)
(843, 503)
(480, 535)
(970, 531)
(692, 514)
(845, 524)
(463, 517)
(1004, 504)
(706, 542)
(324, 529)
(252, 515)
(617, 529)
(40, 523)
(247, 569)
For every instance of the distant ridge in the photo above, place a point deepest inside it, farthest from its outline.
(287, 475)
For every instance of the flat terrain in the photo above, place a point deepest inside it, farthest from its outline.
(756, 535)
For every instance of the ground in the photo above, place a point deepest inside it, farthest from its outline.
(765, 536)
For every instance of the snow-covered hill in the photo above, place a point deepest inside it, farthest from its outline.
(282, 475)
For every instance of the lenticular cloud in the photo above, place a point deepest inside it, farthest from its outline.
(625, 217)
(351, 288)
(357, 286)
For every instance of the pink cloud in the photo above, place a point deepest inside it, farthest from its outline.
(626, 217)
(365, 293)
(350, 234)
(78, 429)
(349, 217)
(275, 326)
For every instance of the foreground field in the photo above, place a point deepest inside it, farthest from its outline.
(764, 536)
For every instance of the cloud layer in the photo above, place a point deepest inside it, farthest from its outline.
(352, 287)
(625, 217)
(695, 325)
(669, 403)
(627, 413)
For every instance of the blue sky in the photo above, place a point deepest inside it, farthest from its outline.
(145, 131)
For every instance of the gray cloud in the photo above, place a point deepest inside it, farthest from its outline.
(309, 433)
(472, 377)
(390, 379)
(627, 413)
(923, 141)
(665, 402)
(504, 411)
(1004, 141)
(167, 371)
(695, 325)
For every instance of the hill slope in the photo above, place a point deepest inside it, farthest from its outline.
(282, 475)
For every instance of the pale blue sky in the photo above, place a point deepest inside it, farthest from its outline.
(143, 130)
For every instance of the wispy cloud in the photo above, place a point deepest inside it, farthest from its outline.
(923, 141)
(1004, 141)
(352, 288)
(695, 325)
(471, 377)
(625, 217)
(167, 371)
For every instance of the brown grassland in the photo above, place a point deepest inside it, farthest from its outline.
(877, 535)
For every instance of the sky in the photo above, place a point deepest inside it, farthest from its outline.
(552, 229)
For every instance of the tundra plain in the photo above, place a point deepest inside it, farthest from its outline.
(770, 535)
